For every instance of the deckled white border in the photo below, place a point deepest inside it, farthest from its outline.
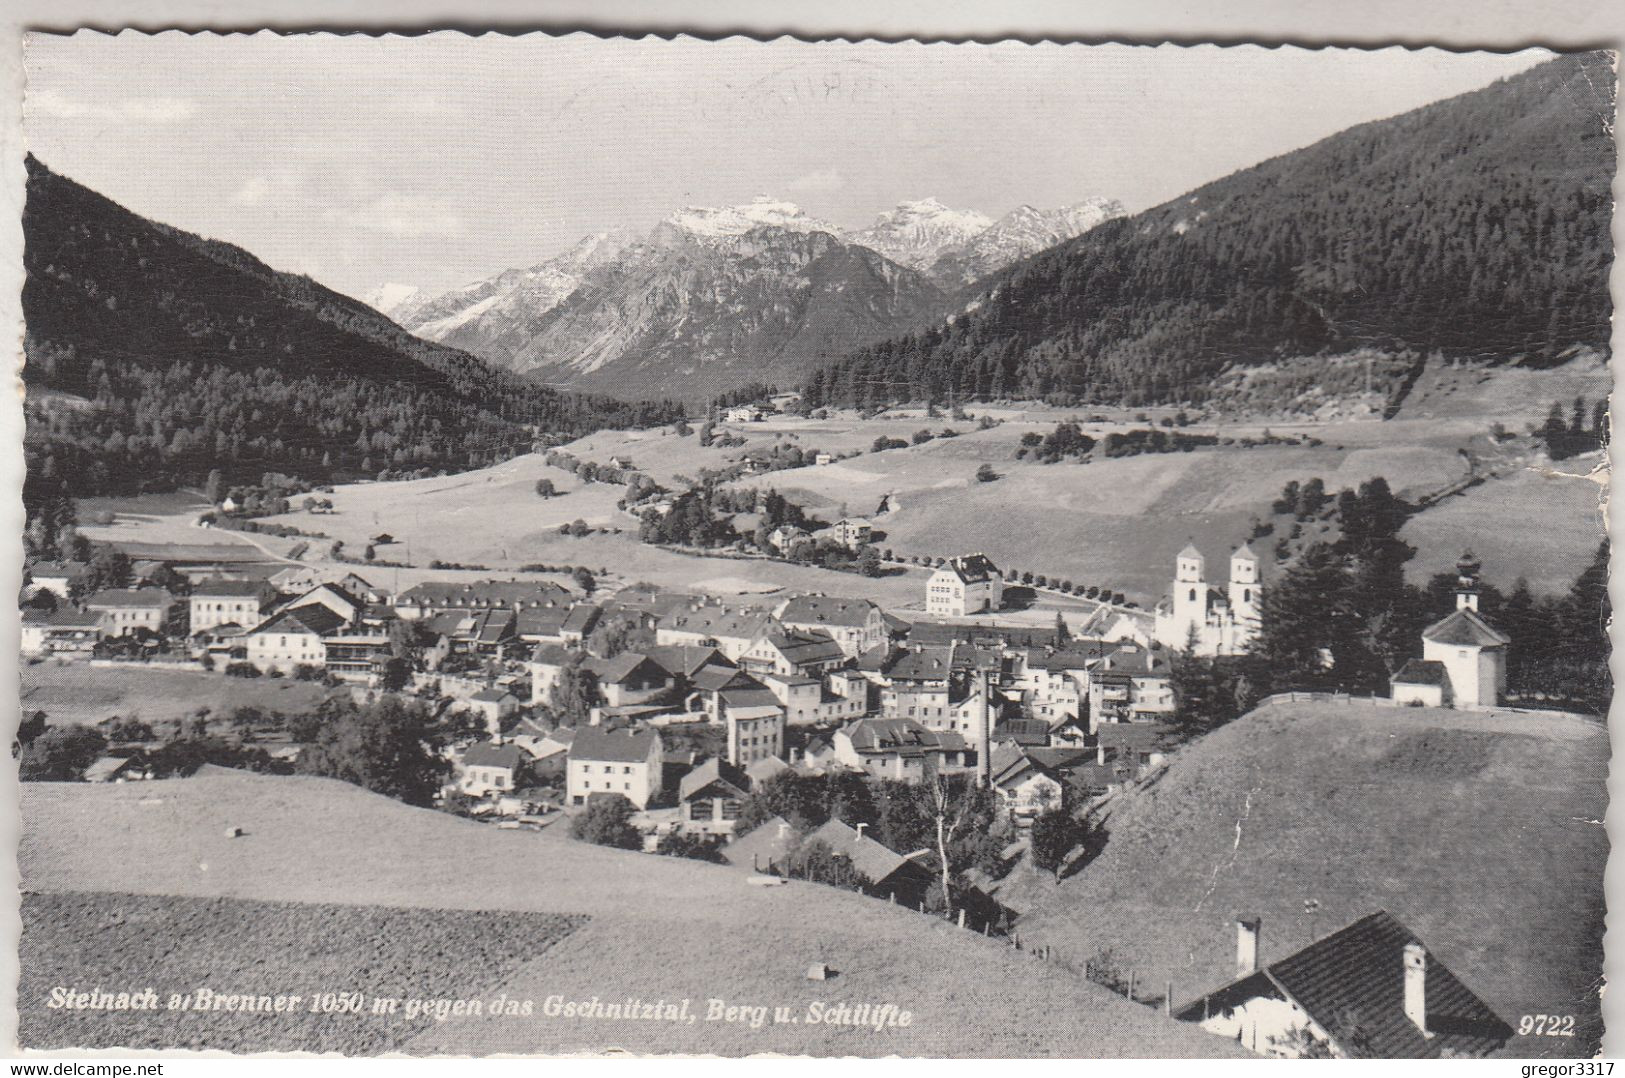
(1455, 24)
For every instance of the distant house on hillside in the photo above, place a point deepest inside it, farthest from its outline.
(1370, 990)
(965, 585)
(851, 532)
(747, 413)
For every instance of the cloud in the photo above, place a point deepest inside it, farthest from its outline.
(132, 110)
(824, 181)
(403, 215)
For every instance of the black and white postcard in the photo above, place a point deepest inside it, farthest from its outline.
(553, 544)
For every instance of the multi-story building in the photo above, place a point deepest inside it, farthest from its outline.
(625, 762)
(965, 585)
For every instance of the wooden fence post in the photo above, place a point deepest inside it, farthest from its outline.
(1168, 998)
(961, 918)
(1131, 986)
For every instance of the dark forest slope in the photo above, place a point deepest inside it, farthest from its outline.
(196, 355)
(1474, 227)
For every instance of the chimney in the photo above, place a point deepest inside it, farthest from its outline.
(1247, 945)
(1416, 994)
(984, 746)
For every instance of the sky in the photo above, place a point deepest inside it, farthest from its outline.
(438, 160)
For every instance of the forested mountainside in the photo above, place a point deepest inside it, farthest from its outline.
(1474, 227)
(190, 354)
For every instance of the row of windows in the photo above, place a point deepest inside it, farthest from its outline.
(586, 769)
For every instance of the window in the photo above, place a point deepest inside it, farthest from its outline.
(608, 770)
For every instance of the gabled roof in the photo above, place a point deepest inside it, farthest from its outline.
(718, 622)
(823, 610)
(623, 666)
(581, 618)
(684, 660)
(876, 862)
(716, 678)
(763, 846)
(1421, 672)
(130, 597)
(316, 619)
(552, 655)
(491, 696)
(803, 648)
(1464, 628)
(762, 770)
(491, 754)
(1024, 732)
(1358, 972)
(728, 778)
(1244, 553)
(1135, 736)
(598, 745)
(61, 618)
(927, 664)
(900, 735)
(509, 593)
(1190, 551)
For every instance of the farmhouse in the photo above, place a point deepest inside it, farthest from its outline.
(1212, 622)
(857, 625)
(124, 610)
(291, 638)
(901, 749)
(624, 762)
(335, 597)
(964, 585)
(226, 602)
(792, 654)
(1372, 989)
(786, 536)
(711, 796)
(491, 767)
(630, 678)
(63, 632)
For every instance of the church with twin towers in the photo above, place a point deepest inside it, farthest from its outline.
(1215, 618)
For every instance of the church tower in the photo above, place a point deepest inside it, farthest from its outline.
(1467, 570)
(1244, 584)
(1190, 592)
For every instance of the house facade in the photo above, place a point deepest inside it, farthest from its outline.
(625, 762)
(225, 602)
(969, 584)
(124, 610)
(857, 625)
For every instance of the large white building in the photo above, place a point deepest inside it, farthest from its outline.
(965, 585)
(1215, 621)
(1464, 657)
(624, 762)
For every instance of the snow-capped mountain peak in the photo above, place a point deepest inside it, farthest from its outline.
(708, 222)
(386, 299)
(914, 233)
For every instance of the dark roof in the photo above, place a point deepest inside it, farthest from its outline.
(581, 619)
(930, 664)
(61, 618)
(822, 610)
(69, 570)
(971, 568)
(542, 621)
(1358, 973)
(717, 621)
(764, 845)
(749, 697)
(491, 754)
(1421, 672)
(510, 593)
(315, 619)
(623, 666)
(1025, 732)
(900, 735)
(130, 597)
(491, 696)
(713, 771)
(715, 678)
(874, 861)
(684, 660)
(552, 655)
(802, 648)
(599, 745)
(1138, 736)
(1464, 628)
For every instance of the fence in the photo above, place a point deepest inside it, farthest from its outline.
(1384, 701)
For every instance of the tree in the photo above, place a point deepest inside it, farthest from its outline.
(31, 726)
(211, 487)
(584, 580)
(817, 862)
(1053, 835)
(545, 487)
(607, 822)
(685, 844)
(109, 568)
(986, 474)
(60, 754)
(868, 561)
(389, 746)
(576, 694)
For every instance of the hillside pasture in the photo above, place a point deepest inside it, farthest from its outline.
(1542, 525)
(660, 927)
(1481, 832)
(80, 693)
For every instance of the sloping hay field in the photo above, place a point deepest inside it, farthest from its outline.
(1482, 833)
(661, 927)
(80, 693)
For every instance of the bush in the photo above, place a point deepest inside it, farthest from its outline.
(986, 474)
(242, 669)
(308, 672)
(607, 822)
(698, 847)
